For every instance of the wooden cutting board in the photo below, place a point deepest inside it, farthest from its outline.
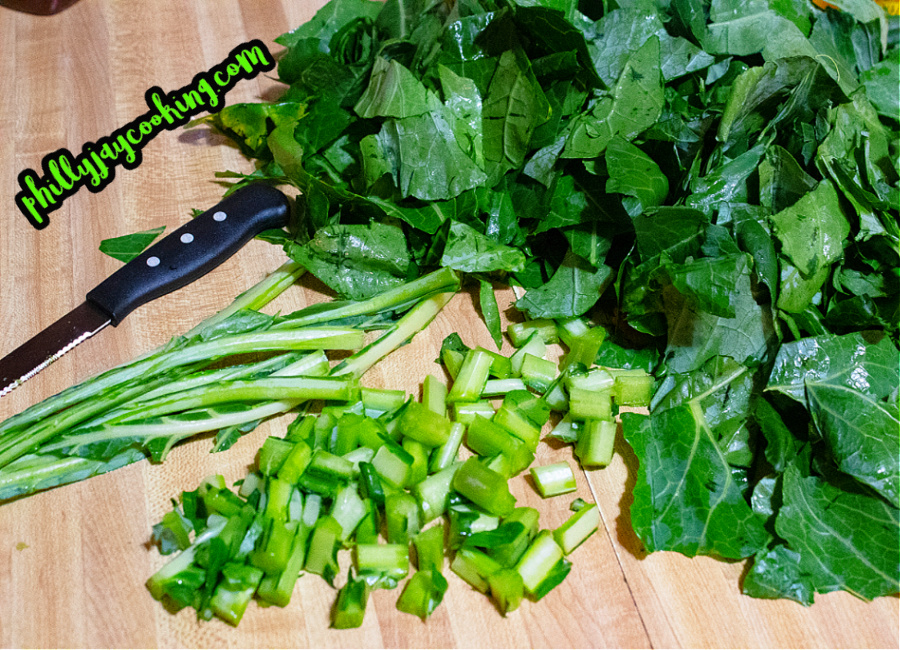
(73, 560)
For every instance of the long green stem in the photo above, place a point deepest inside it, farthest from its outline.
(415, 320)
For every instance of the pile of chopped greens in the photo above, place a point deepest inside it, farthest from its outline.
(714, 182)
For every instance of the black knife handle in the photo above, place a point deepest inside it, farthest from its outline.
(191, 251)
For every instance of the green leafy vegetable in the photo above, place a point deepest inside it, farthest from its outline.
(127, 247)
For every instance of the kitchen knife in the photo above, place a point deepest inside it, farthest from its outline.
(180, 258)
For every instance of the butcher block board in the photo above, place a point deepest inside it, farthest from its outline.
(73, 560)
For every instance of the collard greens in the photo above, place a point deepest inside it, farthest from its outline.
(716, 181)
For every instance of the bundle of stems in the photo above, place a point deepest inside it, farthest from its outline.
(201, 381)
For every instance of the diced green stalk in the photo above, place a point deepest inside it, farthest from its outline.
(534, 346)
(537, 373)
(484, 487)
(278, 496)
(465, 412)
(507, 589)
(369, 528)
(633, 390)
(453, 361)
(419, 468)
(567, 429)
(301, 428)
(321, 558)
(424, 425)
(422, 594)
(278, 542)
(466, 520)
(382, 560)
(272, 455)
(556, 398)
(597, 379)
(443, 281)
(348, 509)
(539, 560)
(350, 608)
(296, 462)
(448, 453)
(381, 399)
(393, 463)
(474, 567)
(590, 404)
(509, 554)
(358, 456)
(469, 383)
(370, 483)
(330, 466)
(595, 443)
(401, 512)
(278, 589)
(500, 387)
(487, 438)
(234, 591)
(577, 528)
(434, 395)
(157, 582)
(553, 480)
(434, 492)
(571, 328)
(519, 426)
(557, 574)
(414, 321)
(543, 327)
(583, 347)
(577, 504)
(501, 368)
(366, 431)
(429, 545)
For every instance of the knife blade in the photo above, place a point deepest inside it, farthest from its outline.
(185, 255)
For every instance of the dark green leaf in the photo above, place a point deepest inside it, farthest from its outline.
(127, 247)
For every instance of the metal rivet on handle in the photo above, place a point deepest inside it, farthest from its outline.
(152, 261)
(220, 216)
(187, 238)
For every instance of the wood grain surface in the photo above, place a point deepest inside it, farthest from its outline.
(73, 561)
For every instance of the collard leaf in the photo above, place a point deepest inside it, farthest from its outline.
(685, 498)
(393, 91)
(329, 20)
(513, 108)
(432, 166)
(710, 281)
(722, 391)
(574, 288)
(675, 231)
(813, 230)
(357, 261)
(696, 336)
(880, 82)
(635, 174)
(776, 573)
(726, 182)
(635, 105)
(470, 251)
(127, 247)
(618, 35)
(863, 434)
(846, 540)
(845, 381)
